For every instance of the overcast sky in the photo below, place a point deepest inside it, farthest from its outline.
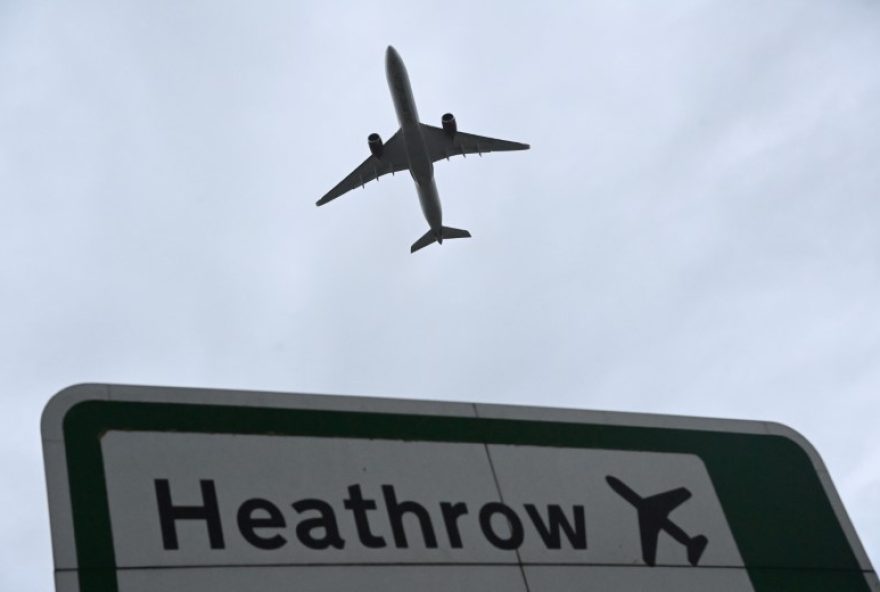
(696, 229)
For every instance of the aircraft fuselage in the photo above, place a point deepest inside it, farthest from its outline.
(421, 166)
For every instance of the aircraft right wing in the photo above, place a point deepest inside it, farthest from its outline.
(392, 159)
(442, 144)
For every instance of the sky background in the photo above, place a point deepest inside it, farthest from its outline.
(695, 230)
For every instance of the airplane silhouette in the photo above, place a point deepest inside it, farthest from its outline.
(415, 147)
(653, 514)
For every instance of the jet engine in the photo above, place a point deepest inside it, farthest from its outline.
(375, 143)
(449, 125)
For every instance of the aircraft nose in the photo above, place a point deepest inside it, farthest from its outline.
(391, 55)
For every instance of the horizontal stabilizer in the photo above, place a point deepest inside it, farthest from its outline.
(454, 232)
(427, 238)
(431, 237)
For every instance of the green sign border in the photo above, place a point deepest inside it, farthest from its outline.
(781, 519)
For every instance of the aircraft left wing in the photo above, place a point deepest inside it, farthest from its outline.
(442, 144)
(392, 159)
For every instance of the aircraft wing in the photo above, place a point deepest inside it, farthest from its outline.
(443, 145)
(392, 159)
(663, 503)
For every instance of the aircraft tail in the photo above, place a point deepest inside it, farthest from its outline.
(432, 237)
(695, 548)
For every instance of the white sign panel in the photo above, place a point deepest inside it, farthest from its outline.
(163, 489)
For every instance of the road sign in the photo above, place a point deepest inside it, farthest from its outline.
(183, 489)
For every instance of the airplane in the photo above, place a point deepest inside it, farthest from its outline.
(416, 146)
(653, 514)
